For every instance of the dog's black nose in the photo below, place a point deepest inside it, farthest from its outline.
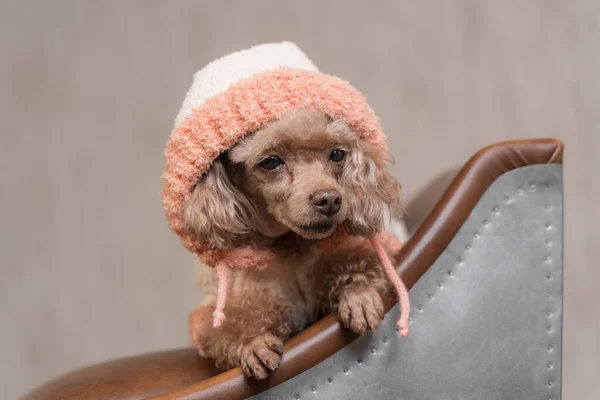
(327, 202)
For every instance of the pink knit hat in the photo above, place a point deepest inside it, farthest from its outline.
(237, 94)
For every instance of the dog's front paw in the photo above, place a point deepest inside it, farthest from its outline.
(261, 355)
(361, 308)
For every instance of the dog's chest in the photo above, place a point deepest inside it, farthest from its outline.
(291, 281)
(295, 277)
(301, 285)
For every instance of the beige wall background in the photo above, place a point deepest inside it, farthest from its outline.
(89, 90)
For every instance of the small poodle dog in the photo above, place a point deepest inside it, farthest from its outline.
(287, 186)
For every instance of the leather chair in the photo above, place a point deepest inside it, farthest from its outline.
(485, 272)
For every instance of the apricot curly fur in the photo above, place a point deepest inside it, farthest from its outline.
(241, 204)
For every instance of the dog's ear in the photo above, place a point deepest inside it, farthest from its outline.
(217, 211)
(369, 189)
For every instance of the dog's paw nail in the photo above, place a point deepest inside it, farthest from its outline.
(260, 374)
(274, 344)
(246, 371)
(277, 347)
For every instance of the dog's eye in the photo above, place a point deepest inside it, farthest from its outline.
(271, 162)
(337, 155)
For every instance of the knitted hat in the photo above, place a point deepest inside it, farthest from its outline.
(235, 95)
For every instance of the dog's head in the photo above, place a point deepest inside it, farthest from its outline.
(305, 173)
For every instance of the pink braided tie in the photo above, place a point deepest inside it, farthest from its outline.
(398, 285)
(218, 314)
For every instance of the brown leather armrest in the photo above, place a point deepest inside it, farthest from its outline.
(181, 374)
